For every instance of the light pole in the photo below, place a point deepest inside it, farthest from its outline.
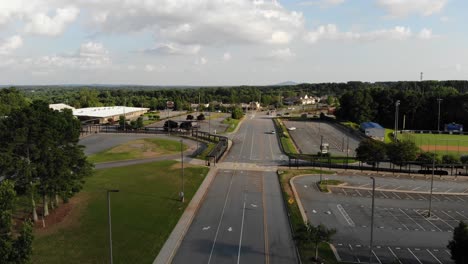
(110, 223)
(182, 196)
(397, 104)
(432, 184)
(372, 220)
(438, 115)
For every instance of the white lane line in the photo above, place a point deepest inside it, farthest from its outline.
(412, 219)
(461, 215)
(376, 257)
(241, 232)
(220, 220)
(414, 256)
(393, 253)
(434, 256)
(345, 215)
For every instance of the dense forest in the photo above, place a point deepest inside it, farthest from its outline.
(359, 101)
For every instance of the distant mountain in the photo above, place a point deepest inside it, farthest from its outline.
(286, 83)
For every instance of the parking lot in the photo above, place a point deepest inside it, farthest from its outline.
(403, 231)
(307, 137)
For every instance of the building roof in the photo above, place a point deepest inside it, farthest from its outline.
(107, 111)
(59, 107)
(367, 125)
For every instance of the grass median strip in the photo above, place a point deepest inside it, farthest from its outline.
(144, 213)
(306, 253)
(323, 185)
(233, 123)
(138, 149)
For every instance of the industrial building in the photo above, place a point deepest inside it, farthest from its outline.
(103, 115)
(373, 130)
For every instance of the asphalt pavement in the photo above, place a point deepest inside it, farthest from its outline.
(242, 218)
(403, 233)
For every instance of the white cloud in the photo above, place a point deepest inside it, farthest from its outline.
(458, 67)
(92, 50)
(425, 34)
(402, 8)
(322, 3)
(204, 22)
(444, 19)
(201, 61)
(331, 32)
(10, 44)
(174, 49)
(279, 54)
(149, 68)
(43, 24)
(227, 56)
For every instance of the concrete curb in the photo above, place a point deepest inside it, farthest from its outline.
(167, 252)
(393, 190)
(296, 196)
(237, 128)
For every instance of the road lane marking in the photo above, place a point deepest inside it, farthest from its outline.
(414, 256)
(265, 226)
(384, 195)
(449, 215)
(221, 219)
(433, 256)
(461, 215)
(230, 229)
(376, 257)
(397, 195)
(241, 231)
(393, 253)
(206, 228)
(358, 192)
(345, 215)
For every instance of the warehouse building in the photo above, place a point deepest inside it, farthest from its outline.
(108, 114)
(373, 130)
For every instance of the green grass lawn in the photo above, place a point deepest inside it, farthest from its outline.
(295, 217)
(388, 135)
(436, 139)
(351, 125)
(233, 123)
(144, 213)
(138, 149)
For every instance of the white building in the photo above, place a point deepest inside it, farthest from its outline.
(102, 115)
(60, 107)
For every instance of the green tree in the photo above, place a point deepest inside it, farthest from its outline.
(13, 249)
(10, 99)
(122, 122)
(371, 151)
(458, 246)
(401, 152)
(309, 235)
(237, 113)
(139, 123)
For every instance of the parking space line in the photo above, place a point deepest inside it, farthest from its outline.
(397, 195)
(412, 219)
(399, 187)
(345, 215)
(444, 221)
(384, 195)
(393, 253)
(448, 190)
(364, 185)
(409, 196)
(435, 198)
(350, 247)
(376, 257)
(446, 251)
(414, 256)
(447, 198)
(398, 220)
(415, 188)
(449, 216)
(431, 223)
(459, 198)
(422, 197)
(370, 193)
(381, 187)
(433, 256)
(358, 193)
(461, 215)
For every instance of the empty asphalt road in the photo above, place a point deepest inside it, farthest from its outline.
(242, 218)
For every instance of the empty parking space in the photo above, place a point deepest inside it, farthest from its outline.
(356, 253)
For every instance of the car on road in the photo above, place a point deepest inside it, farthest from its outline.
(291, 128)
(272, 132)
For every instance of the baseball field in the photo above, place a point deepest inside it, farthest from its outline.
(441, 143)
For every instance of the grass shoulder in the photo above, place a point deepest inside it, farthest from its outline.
(295, 217)
(232, 124)
(144, 213)
(138, 149)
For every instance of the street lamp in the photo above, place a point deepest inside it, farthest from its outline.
(397, 104)
(432, 184)
(438, 115)
(372, 220)
(110, 223)
(182, 196)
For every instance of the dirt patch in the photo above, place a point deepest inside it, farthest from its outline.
(442, 148)
(66, 215)
(178, 166)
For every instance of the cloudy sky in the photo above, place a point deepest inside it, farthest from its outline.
(231, 42)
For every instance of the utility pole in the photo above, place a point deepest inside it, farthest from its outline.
(110, 223)
(397, 104)
(372, 221)
(182, 196)
(438, 116)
